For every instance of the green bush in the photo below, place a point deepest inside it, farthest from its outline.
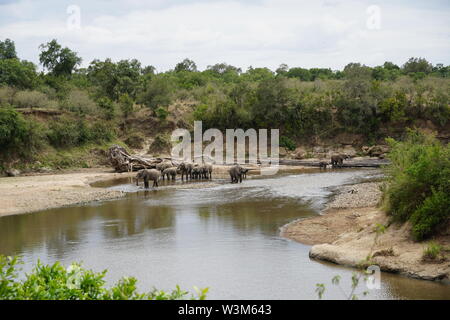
(419, 183)
(55, 282)
(17, 135)
(33, 99)
(161, 113)
(66, 132)
(287, 143)
(432, 251)
(78, 101)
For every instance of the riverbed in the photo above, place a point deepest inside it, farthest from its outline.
(225, 237)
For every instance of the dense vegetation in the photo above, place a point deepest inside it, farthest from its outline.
(55, 282)
(419, 183)
(70, 107)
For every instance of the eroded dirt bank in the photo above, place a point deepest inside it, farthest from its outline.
(345, 234)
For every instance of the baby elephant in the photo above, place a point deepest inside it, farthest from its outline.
(236, 173)
(170, 172)
(323, 165)
(148, 175)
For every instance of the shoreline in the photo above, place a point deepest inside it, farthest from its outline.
(34, 193)
(345, 234)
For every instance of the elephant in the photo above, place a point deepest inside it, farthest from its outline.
(208, 168)
(170, 172)
(338, 159)
(196, 172)
(185, 169)
(151, 174)
(164, 165)
(323, 165)
(236, 173)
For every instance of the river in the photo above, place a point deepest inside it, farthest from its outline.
(224, 237)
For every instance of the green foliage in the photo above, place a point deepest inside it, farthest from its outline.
(126, 104)
(7, 49)
(186, 65)
(113, 80)
(287, 143)
(432, 251)
(68, 133)
(33, 99)
(161, 113)
(419, 183)
(415, 65)
(17, 135)
(160, 144)
(108, 107)
(58, 60)
(55, 282)
(157, 92)
(16, 73)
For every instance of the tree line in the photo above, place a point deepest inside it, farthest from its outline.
(301, 102)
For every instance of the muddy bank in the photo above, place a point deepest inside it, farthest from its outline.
(29, 193)
(345, 235)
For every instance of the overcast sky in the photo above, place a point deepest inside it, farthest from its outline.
(314, 33)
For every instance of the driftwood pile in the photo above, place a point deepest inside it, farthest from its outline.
(122, 161)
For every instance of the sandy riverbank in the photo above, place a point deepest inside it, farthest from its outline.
(33, 193)
(345, 234)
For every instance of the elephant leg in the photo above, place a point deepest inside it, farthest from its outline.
(146, 183)
(137, 182)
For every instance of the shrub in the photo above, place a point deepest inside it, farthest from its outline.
(6, 95)
(287, 143)
(134, 140)
(432, 251)
(33, 99)
(78, 101)
(55, 282)
(161, 113)
(419, 183)
(160, 144)
(68, 133)
(18, 135)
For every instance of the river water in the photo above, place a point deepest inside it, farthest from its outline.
(224, 237)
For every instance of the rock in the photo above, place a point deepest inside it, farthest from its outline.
(12, 172)
(299, 153)
(282, 152)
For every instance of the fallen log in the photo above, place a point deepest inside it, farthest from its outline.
(122, 161)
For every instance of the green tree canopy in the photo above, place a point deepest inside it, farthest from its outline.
(58, 60)
(7, 50)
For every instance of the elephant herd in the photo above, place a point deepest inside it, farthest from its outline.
(186, 170)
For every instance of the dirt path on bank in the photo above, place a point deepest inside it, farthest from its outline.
(345, 235)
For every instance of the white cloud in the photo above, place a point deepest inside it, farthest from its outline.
(259, 33)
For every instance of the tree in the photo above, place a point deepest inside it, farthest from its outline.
(126, 104)
(58, 60)
(7, 50)
(16, 73)
(157, 93)
(414, 65)
(116, 79)
(186, 65)
(299, 73)
(282, 69)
